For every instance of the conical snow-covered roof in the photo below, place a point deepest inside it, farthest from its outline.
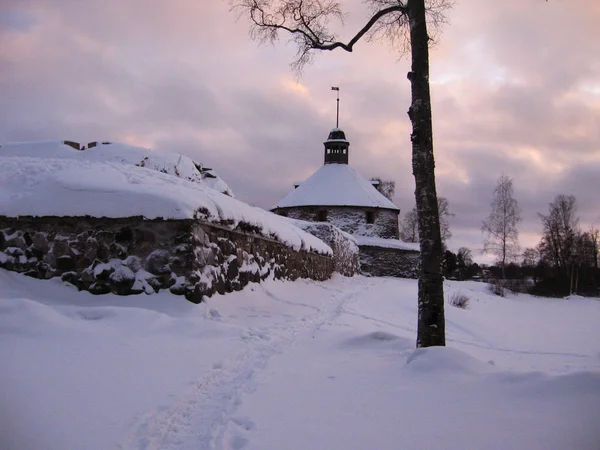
(336, 185)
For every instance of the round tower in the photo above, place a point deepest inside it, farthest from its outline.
(336, 147)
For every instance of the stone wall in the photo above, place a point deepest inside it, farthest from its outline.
(134, 255)
(388, 262)
(350, 219)
(345, 249)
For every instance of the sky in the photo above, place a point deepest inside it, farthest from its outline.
(515, 90)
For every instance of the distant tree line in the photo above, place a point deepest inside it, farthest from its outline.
(564, 262)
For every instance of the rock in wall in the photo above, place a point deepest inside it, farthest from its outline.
(388, 262)
(134, 255)
(345, 249)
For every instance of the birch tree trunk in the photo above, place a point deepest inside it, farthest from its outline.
(431, 322)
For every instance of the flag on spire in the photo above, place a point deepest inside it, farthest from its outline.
(335, 88)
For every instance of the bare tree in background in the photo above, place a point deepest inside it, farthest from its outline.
(409, 226)
(501, 225)
(386, 187)
(464, 260)
(530, 257)
(561, 227)
(403, 23)
(445, 214)
(465, 255)
(594, 236)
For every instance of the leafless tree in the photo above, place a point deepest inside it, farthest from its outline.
(464, 260)
(465, 255)
(594, 237)
(404, 24)
(561, 228)
(502, 236)
(409, 226)
(445, 214)
(530, 257)
(586, 248)
(386, 187)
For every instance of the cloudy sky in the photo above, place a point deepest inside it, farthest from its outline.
(515, 88)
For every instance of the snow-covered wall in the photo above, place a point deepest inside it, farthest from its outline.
(344, 246)
(116, 218)
(350, 219)
(134, 255)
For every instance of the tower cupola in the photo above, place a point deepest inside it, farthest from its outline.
(336, 147)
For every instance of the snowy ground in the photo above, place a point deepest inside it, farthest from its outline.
(300, 365)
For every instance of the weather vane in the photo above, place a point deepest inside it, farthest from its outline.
(337, 116)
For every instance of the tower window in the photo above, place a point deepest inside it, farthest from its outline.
(370, 217)
(322, 216)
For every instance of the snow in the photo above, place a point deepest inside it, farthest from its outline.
(387, 243)
(169, 163)
(336, 185)
(65, 186)
(299, 365)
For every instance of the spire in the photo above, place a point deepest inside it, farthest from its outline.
(337, 116)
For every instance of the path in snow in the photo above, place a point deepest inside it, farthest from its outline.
(201, 416)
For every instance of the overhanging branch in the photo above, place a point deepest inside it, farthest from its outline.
(306, 21)
(348, 47)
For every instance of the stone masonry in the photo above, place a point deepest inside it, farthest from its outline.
(134, 255)
(351, 219)
(389, 262)
(345, 250)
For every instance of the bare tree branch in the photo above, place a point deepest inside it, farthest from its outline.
(307, 23)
